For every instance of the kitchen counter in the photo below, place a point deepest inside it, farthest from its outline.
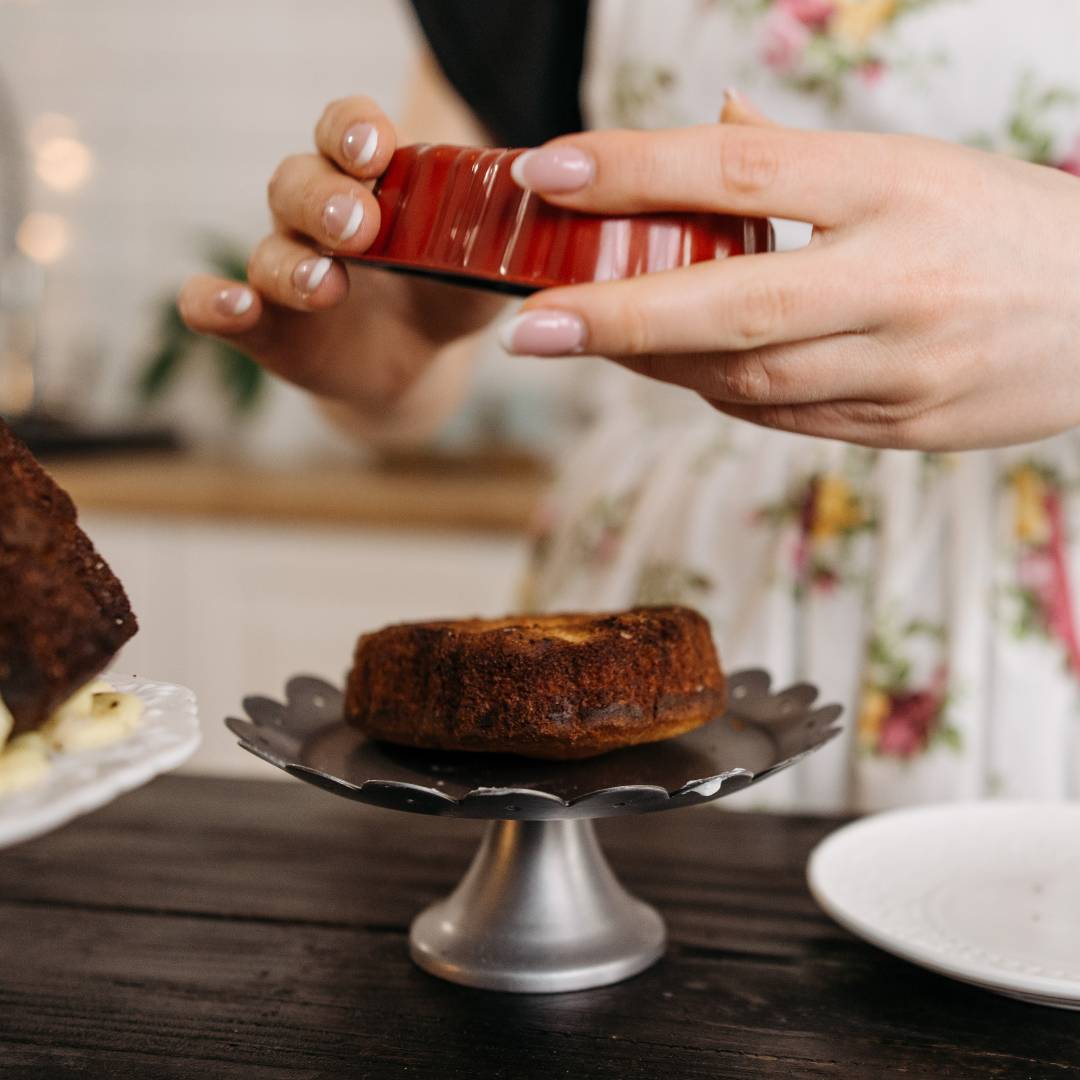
(212, 928)
(489, 495)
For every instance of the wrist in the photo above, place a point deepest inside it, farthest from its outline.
(412, 413)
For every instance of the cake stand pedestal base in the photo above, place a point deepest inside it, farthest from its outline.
(539, 911)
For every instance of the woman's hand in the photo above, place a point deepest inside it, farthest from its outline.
(362, 339)
(937, 306)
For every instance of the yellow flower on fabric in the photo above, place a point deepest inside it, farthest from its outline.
(872, 714)
(1030, 519)
(857, 20)
(836, 507)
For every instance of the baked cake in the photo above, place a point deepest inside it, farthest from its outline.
(63, 614)
(549, 686)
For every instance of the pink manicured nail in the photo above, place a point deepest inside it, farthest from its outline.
(342, 217)
(235, 300)
(542, 332)
(552, 170)
(309, 274)
(360, 143)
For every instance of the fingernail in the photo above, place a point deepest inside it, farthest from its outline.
(234, 300)
(552, 170)
(738, 101)
(342, 216)
(309, 274)
(360, 143)
(542, 332)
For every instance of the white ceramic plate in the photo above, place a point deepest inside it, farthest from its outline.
(985, 892)
(80, 782)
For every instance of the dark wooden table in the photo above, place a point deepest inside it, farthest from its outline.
(214, 928)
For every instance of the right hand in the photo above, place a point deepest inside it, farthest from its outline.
(359, 337)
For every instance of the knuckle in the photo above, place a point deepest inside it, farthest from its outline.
(865, 422)
(748, 161)
(254, 265)
(278, 184)
(340, 113)
(782, 418)
(868, 414)
(640, 170)
(312, 204)
(328, 121)
(900, 427)
(779, 417)
(923, 381)
(635, 330)
(258, 263)
(902, 431)
(626, 165)
(273, 188)
(760, 311)
(906, 434)
(745, 379)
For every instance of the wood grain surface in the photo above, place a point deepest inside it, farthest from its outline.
(217, 928)
(493, 496)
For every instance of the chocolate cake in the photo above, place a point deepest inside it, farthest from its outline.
(63, 614)
(550, 686)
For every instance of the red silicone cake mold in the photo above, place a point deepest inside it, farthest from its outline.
(456, 213)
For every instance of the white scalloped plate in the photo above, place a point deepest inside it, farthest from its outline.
(80, 782)
(984, 892)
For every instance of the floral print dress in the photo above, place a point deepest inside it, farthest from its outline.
(934, 595)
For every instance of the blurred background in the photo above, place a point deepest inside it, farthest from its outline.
(136, 140)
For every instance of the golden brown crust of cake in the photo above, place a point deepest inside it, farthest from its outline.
(550, 686)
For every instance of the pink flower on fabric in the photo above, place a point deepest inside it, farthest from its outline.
(912, 719)
(1057, 601)
(871, 72)
(786, 39)
(607, 547)
(1071, 164)
(814, 13)
(825, 578)
(1035, 574)
(906, 730)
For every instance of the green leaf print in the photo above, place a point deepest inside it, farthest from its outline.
(1028, 131)
(640, 88)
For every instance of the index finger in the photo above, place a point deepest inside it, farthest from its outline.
(357, 136)
(725, 306)
(827, 178)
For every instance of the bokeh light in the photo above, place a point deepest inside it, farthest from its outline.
(43, 237)
(63, 163)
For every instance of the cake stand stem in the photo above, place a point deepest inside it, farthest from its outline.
(539, 911)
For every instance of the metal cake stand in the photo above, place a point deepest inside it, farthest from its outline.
(539, 910)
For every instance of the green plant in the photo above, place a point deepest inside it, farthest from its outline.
(241, 378)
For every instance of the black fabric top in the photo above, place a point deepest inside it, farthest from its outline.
(516, 63)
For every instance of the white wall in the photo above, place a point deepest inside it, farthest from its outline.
(186, 107)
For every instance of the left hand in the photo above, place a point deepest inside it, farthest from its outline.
(936, 308)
